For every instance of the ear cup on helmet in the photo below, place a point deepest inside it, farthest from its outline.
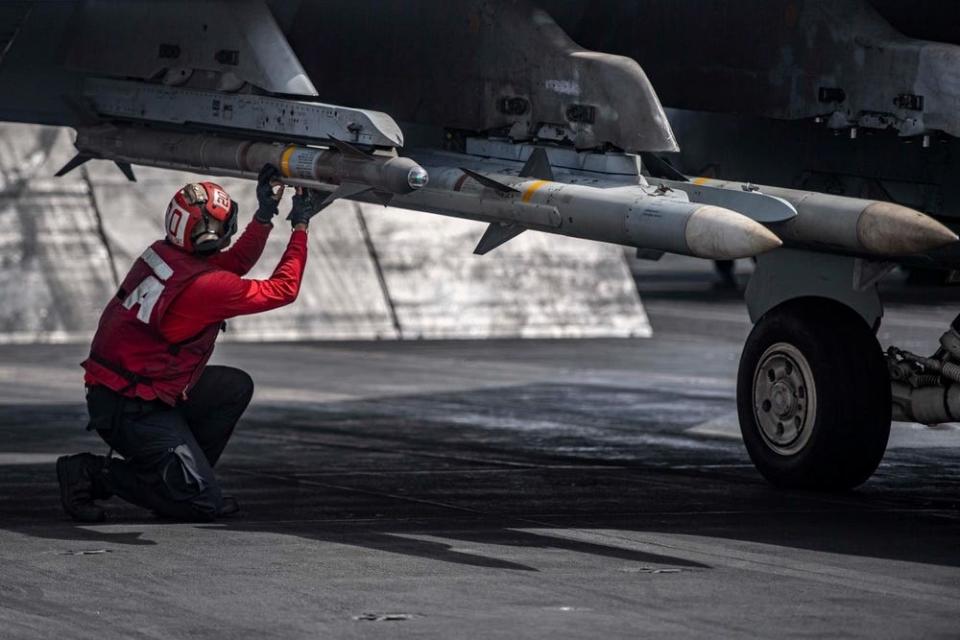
(201, 218)
(208, 235)
(230, 228)
(215, 234)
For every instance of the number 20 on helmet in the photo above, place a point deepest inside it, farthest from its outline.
(201, 218)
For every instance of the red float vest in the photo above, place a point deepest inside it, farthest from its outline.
(129, 354)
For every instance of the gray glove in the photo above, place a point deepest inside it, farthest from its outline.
(306, 203)
(267, 199)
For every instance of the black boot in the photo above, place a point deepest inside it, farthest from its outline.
(230, 507)
(76, 477)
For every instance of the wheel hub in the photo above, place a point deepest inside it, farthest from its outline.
(784, 398)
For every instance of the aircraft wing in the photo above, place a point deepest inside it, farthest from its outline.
(516, 125)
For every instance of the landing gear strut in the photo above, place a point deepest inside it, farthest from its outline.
(927, 390)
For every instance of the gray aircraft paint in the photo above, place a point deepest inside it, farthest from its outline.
(710, 58)
(190, 38)
(491, 51)
(743, 102)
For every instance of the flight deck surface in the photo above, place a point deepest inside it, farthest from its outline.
(488, 489)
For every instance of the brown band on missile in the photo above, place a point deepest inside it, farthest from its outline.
(242, 151)
(459, 183)
(201, 154)
(285, 160)
(532, 189)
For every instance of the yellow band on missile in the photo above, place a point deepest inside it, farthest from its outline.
(528, 193)
(285, 160)
(701, 181)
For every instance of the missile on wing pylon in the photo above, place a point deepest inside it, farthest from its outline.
(838, 223)
(342, 167)
(635, 215)
(871, 226)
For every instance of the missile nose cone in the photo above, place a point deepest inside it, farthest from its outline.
(417, 177)
(894, 230)
(716, 233)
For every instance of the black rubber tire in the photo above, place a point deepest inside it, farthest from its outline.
(852, 419)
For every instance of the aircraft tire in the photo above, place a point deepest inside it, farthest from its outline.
(813, 396)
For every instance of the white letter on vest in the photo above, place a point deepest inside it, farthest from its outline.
(148, 292)
(146, 295)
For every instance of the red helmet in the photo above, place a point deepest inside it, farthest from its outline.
(201, 218)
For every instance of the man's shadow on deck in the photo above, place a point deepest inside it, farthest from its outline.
(717, 495)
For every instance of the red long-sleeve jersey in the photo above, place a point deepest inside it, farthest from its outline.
(197, 301)
(224, 293)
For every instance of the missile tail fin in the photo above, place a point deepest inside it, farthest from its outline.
(384, 197)
(72, 164)
(649, 254)
(345, 190)
(490, 183)
(537, 166)
(497, 234)
(126, 170)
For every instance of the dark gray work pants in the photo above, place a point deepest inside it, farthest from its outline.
(169, 452)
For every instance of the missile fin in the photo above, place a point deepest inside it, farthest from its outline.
(345, 190)
(649, 254)
(497, 234)
(489, 182)
(868, 272)
(348, 149)
(537, 166)
(383, 196)
(126, 169)
(72, 164)
(660, 168)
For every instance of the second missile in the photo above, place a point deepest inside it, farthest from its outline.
(837, 223)
(635, 215)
